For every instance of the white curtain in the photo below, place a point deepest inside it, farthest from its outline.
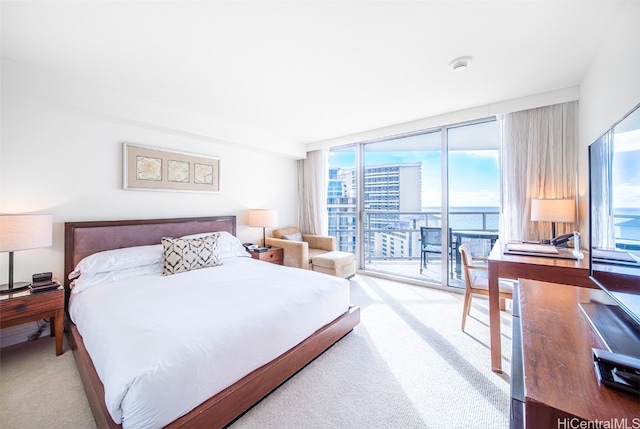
(312, 193)
(601, 209)
(539, 160)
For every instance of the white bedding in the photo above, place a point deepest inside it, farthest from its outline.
(164, 344)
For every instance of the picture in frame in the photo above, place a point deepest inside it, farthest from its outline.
(155, 169)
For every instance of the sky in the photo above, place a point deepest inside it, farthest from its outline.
(473, 161)
(626, 163)
(474, 175)
(626, 179)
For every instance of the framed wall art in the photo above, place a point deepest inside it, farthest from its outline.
(157, 169)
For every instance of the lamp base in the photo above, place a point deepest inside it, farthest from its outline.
(17, 286)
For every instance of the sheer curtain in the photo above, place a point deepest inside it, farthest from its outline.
(539, 160)
(601, 210)
(312, 193)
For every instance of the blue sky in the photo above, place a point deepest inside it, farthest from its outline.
(474, 176)
(626, 178)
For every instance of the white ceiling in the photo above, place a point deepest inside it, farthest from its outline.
(310, 71)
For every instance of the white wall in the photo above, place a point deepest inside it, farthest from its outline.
(608, 91)
(58, 157)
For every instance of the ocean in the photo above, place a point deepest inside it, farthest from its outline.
(467, 218)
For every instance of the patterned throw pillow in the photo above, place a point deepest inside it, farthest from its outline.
(185, 254)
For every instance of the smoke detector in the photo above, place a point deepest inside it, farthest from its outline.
(460, 64)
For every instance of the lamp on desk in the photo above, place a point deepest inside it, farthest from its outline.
(263, 218)
(23, 232)
(553, 210)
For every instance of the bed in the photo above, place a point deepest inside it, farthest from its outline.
(228, 291)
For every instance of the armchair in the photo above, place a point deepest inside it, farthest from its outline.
(300, 248)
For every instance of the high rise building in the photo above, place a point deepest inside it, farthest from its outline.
(389, 190)
(341, 207)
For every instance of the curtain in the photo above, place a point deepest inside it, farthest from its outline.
(539, 160)
(312, 193)
(601, 208)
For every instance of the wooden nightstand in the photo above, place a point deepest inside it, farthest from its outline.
(274, 255)
(23, 307)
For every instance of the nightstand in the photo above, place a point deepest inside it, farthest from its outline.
(23, 307)
(274, 255)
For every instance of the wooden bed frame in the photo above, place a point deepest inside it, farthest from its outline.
(85, 238)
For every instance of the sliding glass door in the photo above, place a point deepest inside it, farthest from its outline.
(403, 204)
(473, 167)
(400, 177)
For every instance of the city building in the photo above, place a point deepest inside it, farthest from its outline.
(389, 190)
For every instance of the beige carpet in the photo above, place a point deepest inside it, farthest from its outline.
(407, 365)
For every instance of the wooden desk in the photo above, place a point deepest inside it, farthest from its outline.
(557, 384)
(555, 270)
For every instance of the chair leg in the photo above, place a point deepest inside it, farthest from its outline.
(466, 308)
(503, 306)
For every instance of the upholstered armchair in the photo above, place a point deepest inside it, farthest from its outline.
(300, 248)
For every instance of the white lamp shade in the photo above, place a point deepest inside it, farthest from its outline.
(23, 232)
(263, 217)
(553, 210)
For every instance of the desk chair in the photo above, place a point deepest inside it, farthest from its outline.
(476, 277)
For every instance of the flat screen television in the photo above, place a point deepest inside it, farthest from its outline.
(614, 222)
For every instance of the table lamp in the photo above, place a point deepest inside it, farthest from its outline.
(553, 210)
(23, 232)
(263, 218)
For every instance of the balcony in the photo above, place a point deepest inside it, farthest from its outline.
(392, 240)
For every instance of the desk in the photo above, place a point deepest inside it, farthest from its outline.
(553, 381)
(566, 271)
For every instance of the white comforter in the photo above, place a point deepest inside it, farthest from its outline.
(163, 345)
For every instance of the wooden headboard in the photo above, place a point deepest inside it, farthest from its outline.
(82, 239)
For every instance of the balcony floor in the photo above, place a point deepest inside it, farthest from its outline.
(411, 270)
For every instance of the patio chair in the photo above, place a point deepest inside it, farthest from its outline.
(431, 243)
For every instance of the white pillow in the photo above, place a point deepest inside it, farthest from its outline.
(295, 236)
(229, 246)
(89, 280)
(118, 259)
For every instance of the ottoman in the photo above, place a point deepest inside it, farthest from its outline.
(339, 264)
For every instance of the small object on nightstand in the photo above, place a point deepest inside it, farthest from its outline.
(250, 246)
(37, 287)
(42, 277)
